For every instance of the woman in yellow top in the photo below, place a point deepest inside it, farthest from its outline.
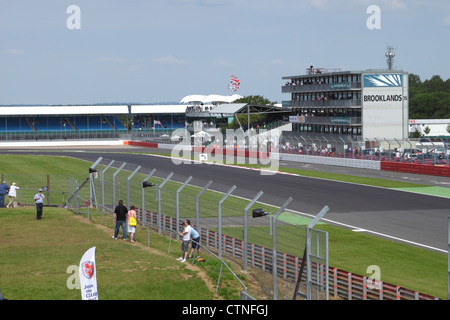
(131, 229)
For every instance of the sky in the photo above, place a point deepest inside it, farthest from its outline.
(146, 51)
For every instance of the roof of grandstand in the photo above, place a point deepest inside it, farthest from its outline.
(213, 98)
(59, 110)
(154, 109)
(233, 108)
(90, 110)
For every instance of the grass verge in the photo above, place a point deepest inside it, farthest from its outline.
(36, 255)
(400, 264)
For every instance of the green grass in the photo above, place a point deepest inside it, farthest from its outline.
(382, 183)
(35, 256)
(400, 264)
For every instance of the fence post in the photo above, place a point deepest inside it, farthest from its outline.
(128, 185)
(197, 203)
(220, 217)
(91, 181)
(263, 258)
(159, 200)
(310, 226)
(381, 297)
(349, 285)
(143, 212)
(246, 226)
(364, 288)
(177, 195)
(335, 282)
(274, 246)
(114, 182)
(102, 179)
(48, 189)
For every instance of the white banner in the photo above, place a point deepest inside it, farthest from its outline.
(88, 276)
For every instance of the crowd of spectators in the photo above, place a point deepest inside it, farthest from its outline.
(147, 122)
(199, 108)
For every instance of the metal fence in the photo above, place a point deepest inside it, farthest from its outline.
(222, 219)
(269, 238)
(341, 146)
(334, 146)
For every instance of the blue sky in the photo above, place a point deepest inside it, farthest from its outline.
(160, 51)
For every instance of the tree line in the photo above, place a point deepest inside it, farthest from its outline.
(429, 99)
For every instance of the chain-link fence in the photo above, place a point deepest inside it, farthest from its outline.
(272, 239)
(422, 151)
(227, 224)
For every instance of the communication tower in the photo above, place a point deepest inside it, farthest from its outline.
(390, 54)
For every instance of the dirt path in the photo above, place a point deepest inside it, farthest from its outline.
(200, 272)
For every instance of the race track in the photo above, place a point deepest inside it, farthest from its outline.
(402, 216)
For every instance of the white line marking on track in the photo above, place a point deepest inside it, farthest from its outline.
(354, 228)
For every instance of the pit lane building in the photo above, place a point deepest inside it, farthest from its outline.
(361, 105)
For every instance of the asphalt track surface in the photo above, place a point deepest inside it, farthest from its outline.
(416, 219)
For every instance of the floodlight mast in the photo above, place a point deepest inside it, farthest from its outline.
(390, 54)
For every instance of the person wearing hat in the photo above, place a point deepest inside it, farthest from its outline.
(3, 192)
(12, 194)
(39, 199)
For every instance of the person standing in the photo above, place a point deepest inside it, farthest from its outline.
(3, 192)
(195, 244)
(131, 228)
(39, 199)
(186, 234)
(120, 220)
(12, 195)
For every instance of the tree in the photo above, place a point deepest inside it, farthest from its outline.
(415, 134)
(422, 106)
(434, 84)
(429, 99)
(258, 100)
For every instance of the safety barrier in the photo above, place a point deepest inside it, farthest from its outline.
(141, 144)
(263, 154)
(343, 284)
(407, 167)
(428, 169)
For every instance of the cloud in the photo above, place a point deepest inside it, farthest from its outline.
(395, 4)
(14, 51)
(169, 60)
(276, 61)
(446, 21)
(319, 4)
(222, 62)
(112, 59)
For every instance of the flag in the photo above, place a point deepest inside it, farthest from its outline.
(156, 122)
(88, 276)
(234, 83)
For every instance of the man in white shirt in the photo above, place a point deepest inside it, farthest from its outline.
(186, 234)
(12, 194)
(39, 199)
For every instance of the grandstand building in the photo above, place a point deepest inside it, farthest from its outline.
(86, 121)
(63, 122)
(361, 105)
